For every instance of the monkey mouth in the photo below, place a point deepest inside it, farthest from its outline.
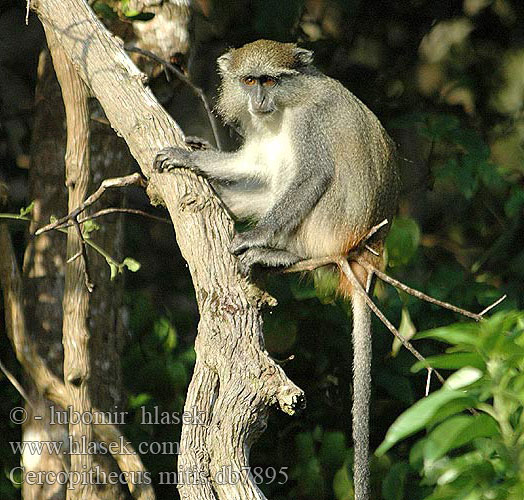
(261, 112)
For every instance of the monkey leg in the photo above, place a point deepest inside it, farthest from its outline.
(266, 257)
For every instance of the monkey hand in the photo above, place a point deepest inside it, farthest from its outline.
(260, 236)
(197, 143)
(170, 158)
(245, 262)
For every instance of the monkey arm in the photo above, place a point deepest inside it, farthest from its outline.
(219, 166)
(315, 171)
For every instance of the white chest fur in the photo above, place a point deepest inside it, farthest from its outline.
(270, 158)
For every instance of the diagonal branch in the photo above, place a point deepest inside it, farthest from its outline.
(117, 182)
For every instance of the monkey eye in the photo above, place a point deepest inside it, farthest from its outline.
(249, 80)
(268, 81)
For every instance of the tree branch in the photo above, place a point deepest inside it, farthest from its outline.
(75, 330)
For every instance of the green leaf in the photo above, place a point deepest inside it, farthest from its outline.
(88, 227)
(305, 446)
(131, 264)
(462, 464)
(27, 210)
(452, 408)
(394, 484)
(139, 400)
(114, 269)
(491, 177)
(402, 241)
(139, 16)
(457, 333)
(164, 331)
(463, 377)
(343, 484)
(332, 450)
(515, 202)
(326, 283)
(133, 14)
(416, 417)
(177, 375)
(397, 386)
(453, 361)
(105, 11)
(438, 126)
(457, 431)
(472, 142)
(407, 329)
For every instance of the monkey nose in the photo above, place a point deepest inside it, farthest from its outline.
(260, 104)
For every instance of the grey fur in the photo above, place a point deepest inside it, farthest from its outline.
(316, 172)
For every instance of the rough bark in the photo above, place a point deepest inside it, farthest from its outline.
(235, 381)
(43, 278)
(75, 332)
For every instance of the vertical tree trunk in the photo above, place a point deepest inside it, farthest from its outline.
(75, 331)
(44, 268)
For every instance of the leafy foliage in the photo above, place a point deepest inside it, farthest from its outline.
(475, 454)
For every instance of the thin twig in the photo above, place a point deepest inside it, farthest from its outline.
(87, 278)
(374, 229)
(112, 210)
(116, 182)
(17, 385)
(311, 264)
(344, 266)
(420, 295)
(74, 257)
(428, 382)
(197, 90)
(496, 303)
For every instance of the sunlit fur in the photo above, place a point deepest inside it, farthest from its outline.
(320, 128)
(309, 105)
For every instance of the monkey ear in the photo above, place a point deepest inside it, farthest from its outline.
(224, 62)
(303, 57)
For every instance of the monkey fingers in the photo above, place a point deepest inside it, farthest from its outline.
(260, 236)
(265, 257)
(197, 143)
(170, 158)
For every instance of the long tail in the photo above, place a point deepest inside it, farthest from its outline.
(361, 393)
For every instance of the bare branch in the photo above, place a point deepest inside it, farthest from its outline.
(416, 293)
(14, 382)
(117, 182)
(490, 307)
(109, 211)
(75, 303)
(346, 269)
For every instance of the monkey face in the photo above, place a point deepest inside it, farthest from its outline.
(260, 93)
